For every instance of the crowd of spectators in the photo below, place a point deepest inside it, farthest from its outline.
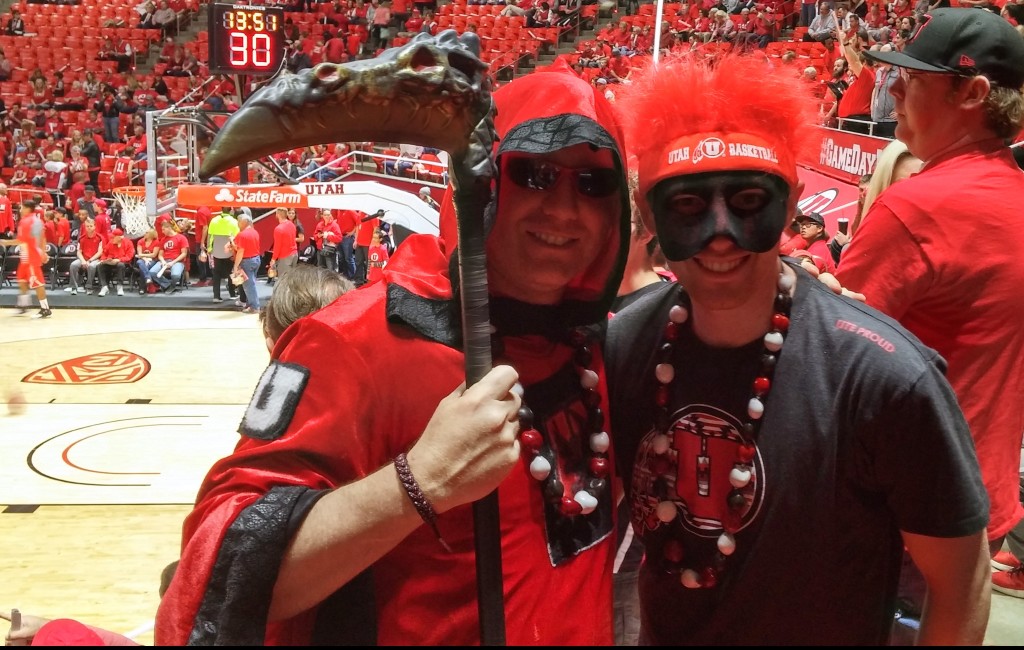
(827, 46)
(57, 140)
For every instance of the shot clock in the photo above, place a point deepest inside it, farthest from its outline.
(245, 39)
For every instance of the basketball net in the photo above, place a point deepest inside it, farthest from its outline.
(132, 201)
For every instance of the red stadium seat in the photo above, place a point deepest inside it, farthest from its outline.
(104, 184)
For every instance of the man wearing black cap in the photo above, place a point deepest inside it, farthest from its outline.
(958, 103)
(812, 231)
(91, 203)
(364, 238)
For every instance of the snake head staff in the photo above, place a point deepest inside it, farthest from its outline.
(433, 91)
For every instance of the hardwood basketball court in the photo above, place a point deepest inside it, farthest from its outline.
(125, 412)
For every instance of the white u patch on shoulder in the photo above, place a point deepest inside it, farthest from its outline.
(274, 401)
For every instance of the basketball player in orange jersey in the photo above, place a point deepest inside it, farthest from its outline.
(32, 255)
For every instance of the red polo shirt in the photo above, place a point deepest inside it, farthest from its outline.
(248, 241)
(857, 98)
(284, 240)
(348, 220)
(87, 245)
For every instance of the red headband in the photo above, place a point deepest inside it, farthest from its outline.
(715, 152)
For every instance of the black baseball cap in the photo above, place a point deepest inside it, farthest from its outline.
(813, 217)
(963, 41)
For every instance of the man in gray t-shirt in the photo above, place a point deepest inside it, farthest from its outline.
(883, 105)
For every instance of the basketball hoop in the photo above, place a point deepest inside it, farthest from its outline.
(132, 200)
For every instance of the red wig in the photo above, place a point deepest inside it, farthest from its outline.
(678, 113)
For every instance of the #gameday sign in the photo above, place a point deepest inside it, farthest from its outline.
(844, 155)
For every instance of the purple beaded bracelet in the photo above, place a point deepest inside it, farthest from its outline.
(412, 488)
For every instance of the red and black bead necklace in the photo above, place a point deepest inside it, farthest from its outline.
(541, 456)
(741, 476)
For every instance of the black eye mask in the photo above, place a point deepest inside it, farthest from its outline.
(751, 208)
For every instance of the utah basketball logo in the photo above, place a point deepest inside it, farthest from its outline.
(114, 367)
(702, 473)
(709, 148)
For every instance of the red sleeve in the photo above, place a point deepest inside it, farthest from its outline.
(253, 247)
(794, 243)
(182, 245)
(281, 242)
(127, 250)
(334, 231)
(888, 281)
(303, 456)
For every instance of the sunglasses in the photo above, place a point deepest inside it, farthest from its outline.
(542, 175)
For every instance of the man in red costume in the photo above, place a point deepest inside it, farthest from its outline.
(781, 444)
(306, 535)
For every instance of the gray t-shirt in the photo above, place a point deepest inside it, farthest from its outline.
(882, 101)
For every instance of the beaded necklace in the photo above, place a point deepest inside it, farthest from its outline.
(540, 454)
(741, 476)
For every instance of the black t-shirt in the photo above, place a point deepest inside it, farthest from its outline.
(862, 437)
(630, 550)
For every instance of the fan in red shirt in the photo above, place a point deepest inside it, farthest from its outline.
(6, 215)
(123, 166)
(334, 49)
(172, 255)
(364, 237)
(53, 124)
(286, 251)
(348, 221)
(201, 223)
(856, 101)
(118, 253)
(415, 22)
(102, 220)
(63, 228)
(137, 141)
(50, 227)
(90, 247)
(376, 258)
(326, 236)
(248, 253)
(148, 249)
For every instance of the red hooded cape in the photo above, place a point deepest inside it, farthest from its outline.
(353, 385)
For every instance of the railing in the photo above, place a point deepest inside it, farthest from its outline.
(868, 124)
(373, 163)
